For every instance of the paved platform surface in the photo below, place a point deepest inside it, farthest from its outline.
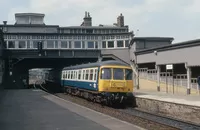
(192, 100)
(37, 110)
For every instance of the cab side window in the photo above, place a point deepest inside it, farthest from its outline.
(106, 73)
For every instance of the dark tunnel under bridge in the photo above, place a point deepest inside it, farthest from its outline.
(14, 76)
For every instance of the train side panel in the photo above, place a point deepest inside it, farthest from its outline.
(92, 86)
(81, 82)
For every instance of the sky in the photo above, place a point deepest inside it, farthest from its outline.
(179, 19)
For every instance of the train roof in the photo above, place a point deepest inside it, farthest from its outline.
(96, 64)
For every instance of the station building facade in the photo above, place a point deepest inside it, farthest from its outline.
(85, 40)
(172, 68)
(30, 28)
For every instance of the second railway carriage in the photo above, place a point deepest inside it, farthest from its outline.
(109, 82)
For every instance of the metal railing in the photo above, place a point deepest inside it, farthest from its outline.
(178, 80)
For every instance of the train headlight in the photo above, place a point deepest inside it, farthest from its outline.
(94, 85)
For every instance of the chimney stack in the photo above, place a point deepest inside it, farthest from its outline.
(87, 20)
(5, 22)
(120, 20)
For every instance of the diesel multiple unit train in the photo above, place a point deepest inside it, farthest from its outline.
(106, 82)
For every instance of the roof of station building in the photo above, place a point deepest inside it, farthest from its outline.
(185, 44)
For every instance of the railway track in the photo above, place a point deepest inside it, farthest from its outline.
(162, 119)
(138, 117)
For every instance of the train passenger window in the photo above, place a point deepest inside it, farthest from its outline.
(106, 73)
(87, 75)
(79, 74)
(83, 74)
(72, 74)
(63, 75)
(91, 74)
(76, 74)
(128, 74)
(68, 75)
(95, 74)
(118, 74)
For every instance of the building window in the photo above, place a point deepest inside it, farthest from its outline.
(50, 44)
(35, 43)
(120, 44)
(8, 37)
(22, 44)
(77, 44)
(74, 37)
(126, 43)
(83, 44)
(24, 37)
(96, 45)
(5, 36)
(90, 44)
(110, 44)
(63, 44)
(89, 30)
(19, 37)
(70, 44)
(104, 44)
(56, 44)
(11, 44)
(28, 44)
(79, 37)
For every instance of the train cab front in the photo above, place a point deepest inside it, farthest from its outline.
(116, 83)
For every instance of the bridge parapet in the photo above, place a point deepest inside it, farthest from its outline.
(52, 53)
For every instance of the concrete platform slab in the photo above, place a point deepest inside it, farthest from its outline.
(192, 100)
(37, 110)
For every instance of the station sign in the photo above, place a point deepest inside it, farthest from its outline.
(169, 67)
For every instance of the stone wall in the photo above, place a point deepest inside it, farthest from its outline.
(178, 111)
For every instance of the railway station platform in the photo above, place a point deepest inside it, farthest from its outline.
(182, 107)
(31, 109)
(191, 100)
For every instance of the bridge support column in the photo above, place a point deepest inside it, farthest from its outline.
(188, 80)
(135, 74)
(13, 77)
(7, 76)
(100, 59)
(158, 77)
